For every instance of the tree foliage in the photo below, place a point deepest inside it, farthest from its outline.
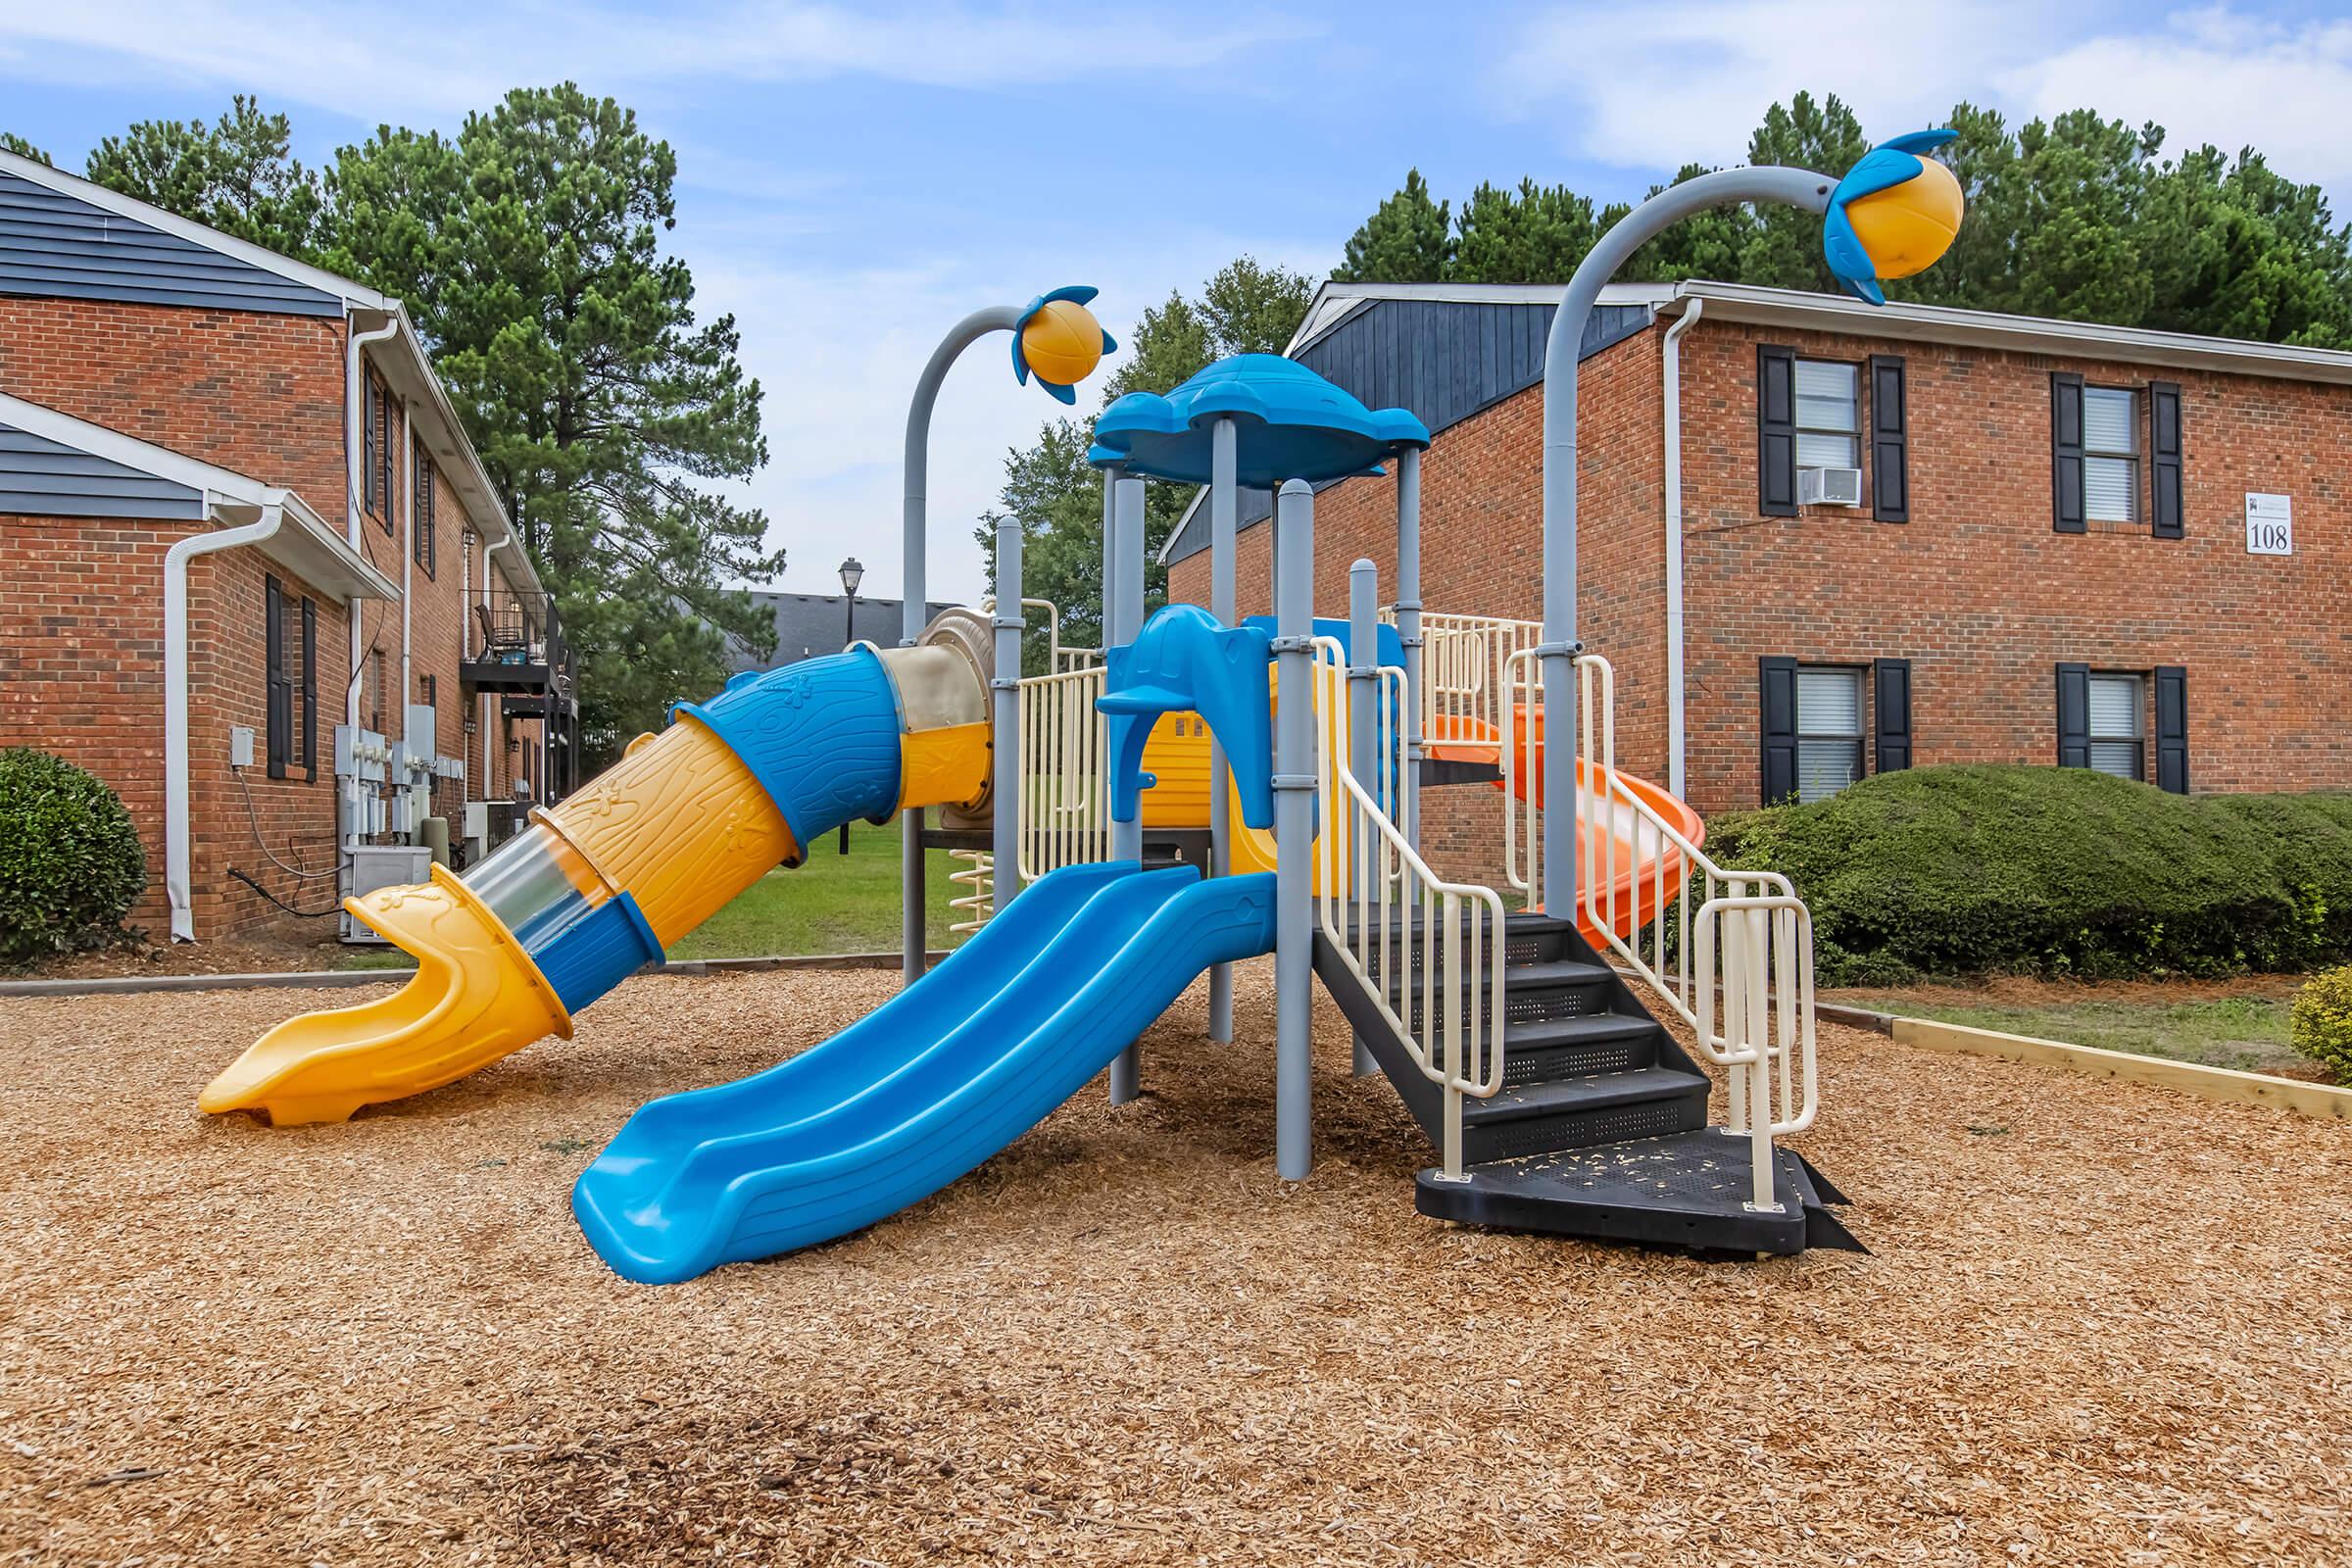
(2071, 217)
(11, 142)
(1246, 308)
(237, 174)
(528, 250)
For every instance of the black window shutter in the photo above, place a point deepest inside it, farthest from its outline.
(1775, 430)
(2164, 457)
(1777, 680)
(2073, 716)
(1890, 441)
(1890, 709)
(385, 459)
(2066, 452)
(280, 721)
(310, 690)
(2171, 728)
(368, 442)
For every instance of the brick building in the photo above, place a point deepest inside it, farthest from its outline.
(252, 573)
(2065, 543)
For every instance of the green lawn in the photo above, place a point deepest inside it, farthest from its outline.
(2249, 1032)
(833, 904)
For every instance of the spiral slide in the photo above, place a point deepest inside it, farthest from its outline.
(599, 885)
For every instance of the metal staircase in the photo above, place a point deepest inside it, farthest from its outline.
(1600, 1126)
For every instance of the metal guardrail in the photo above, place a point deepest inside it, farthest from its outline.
(1429, 952)
(1701, 936)
(1462, 673)
(1065, 772)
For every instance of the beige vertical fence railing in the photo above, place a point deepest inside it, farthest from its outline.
(1703, 938)
(1427, 952)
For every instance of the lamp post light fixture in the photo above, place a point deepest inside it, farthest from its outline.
(852, 573)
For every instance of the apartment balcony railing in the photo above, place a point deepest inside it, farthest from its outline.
(515, 644)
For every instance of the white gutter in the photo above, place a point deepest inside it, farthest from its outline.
(175, 697)
(353, 406)
(1673, 391)
(407, 576)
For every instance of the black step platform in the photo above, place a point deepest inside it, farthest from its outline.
(1688, 1189)
(1600, 1125)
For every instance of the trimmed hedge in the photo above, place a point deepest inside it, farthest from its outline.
(2063, 871)
(2319, 1025)
(71, 865)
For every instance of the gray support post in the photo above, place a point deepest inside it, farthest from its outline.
(1125, 590)
(1409, 632)
(1294, 833)
(1004, 703)
(1363, 718)
(913, 518)
(1224, 502)
(1556, 653)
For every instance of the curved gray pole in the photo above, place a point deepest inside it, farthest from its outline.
(1363, 740)
(1224, 499)
(1294, 832)
(1409, 631)
(1556, 653)
(1004, 706)
(1125, 591)
(914, 519)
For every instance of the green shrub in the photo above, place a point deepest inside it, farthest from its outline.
(71, 865)
(2321, 1024)
(1951, 870)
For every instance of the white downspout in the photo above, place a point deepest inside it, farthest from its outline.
(1672, 389)
(176, 700)
(411, 817)
(353, 406)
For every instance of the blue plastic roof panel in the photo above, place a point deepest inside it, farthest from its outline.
(1290, 422)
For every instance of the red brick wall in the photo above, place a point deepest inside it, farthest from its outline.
(1984, 599)
(80, 600)
(81, 675)
(1976, 590)
(262, 395)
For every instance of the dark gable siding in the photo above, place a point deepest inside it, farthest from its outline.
(809, 625)
(1444, 360)
(40, 478)
(61, 247)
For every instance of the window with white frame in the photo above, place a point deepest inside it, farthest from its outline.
(1828, 730)
(2118, 734)
(2110, 454)
(1829, 421)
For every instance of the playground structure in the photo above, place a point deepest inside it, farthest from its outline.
(1137, 816)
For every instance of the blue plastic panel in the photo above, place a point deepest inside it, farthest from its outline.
(1289, 423)
(922, 1090)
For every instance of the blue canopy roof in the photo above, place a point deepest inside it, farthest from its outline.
(1289, 423)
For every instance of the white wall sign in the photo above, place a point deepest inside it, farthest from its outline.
(2270, 525)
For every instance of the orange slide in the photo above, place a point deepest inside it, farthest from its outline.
(1610, 840)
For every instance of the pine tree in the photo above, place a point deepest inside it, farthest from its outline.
(1535, 234)
(1407, 239)
(11, 142)
(529, 249)
(237, 174)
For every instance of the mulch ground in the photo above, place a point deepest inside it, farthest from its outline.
(2104, 1324)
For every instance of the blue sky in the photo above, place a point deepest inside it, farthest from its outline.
(856, 177)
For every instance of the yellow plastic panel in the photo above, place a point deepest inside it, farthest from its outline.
(680, 824)
(475, 998)
(944, 767)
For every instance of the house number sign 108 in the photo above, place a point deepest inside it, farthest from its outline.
(2270, 525)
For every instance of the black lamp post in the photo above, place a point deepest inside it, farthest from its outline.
(852, 574)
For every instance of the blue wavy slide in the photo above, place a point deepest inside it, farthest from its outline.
(924, 1087)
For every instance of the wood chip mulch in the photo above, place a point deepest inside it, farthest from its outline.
(2104, 1324)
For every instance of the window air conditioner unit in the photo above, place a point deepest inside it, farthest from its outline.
(1828, 487)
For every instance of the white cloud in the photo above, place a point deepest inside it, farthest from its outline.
(467, 57)
(2214, 76)
(1695, 79)
(1689, 83)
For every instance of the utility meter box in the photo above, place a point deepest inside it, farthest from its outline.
(382, 866)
